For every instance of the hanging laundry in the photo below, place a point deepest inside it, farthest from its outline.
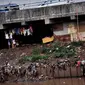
(31, 29)
(25, 32)
(13, 32)
(22, 31)
(17, 31)
(28, 32)
(6, 36)
(10, 35)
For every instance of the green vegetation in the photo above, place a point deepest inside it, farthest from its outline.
(79, 43)
(65, 51)
(56, 49)
(36, 51)
(46, 50)
(33, 58)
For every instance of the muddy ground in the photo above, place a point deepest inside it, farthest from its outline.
(41, 70)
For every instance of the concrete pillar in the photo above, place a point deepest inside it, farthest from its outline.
(48, 21)
(23, 23)
(72, 17)
(1, 26)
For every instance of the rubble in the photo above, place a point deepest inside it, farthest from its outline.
(11, 70)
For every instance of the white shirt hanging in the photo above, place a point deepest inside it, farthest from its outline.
(13, 31)
(10, 35)
(6, 36)
(28, 32)
(25, 32)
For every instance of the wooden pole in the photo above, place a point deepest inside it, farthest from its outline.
(77, 25)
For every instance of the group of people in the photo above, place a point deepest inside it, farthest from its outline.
(11, 41)
(9, 35)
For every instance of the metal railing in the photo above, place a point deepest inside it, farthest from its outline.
(41, 4)
(47, 3)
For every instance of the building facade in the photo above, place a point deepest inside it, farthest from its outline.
(65, 22)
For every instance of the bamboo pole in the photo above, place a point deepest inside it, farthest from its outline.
(77, 25)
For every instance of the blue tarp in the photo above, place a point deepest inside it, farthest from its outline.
(6, 5)
(5, 8)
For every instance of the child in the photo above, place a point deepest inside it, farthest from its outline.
(13, 43)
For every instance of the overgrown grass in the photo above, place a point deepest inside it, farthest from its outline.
(64, 51)
(79, 43)
(36, 51)
(33, 58)
(56, 49)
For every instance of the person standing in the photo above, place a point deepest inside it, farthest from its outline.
(13, 43)
(9, 44)
(7, 38)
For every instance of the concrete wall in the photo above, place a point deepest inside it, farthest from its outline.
(2, 20)
(64, 31)
(42, 13)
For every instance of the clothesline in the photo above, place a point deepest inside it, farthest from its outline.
(18, 31)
